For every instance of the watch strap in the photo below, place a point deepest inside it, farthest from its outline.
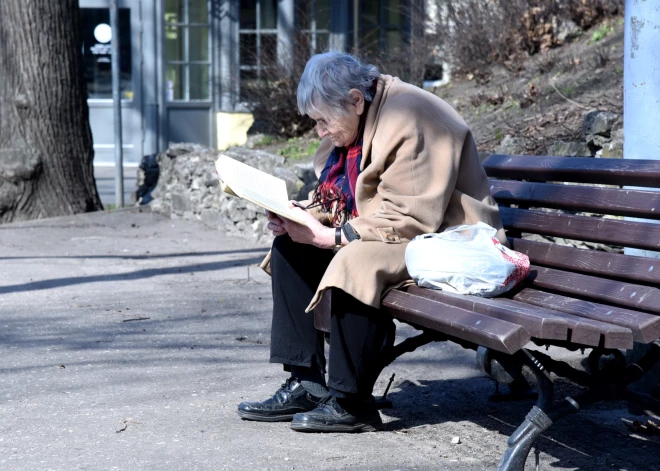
(337, 237)
(350, 233)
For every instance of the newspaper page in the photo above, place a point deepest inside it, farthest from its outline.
(255, 186)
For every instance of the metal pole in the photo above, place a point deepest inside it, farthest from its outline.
(285, 29)
(116, 103)
(641, 86)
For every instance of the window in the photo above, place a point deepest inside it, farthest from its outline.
(314, 22)
(383, 25)
(97, 52)
(257, 39)
(187, 50)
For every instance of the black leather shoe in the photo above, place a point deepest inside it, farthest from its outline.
(290, 399)
(329, 416)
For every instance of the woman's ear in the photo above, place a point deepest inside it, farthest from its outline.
(357, 99)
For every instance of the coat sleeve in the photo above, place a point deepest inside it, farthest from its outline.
(415, 159)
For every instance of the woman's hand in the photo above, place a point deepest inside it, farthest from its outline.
(314, 233)
(275, 224)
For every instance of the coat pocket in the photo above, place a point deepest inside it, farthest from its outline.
(388, 235)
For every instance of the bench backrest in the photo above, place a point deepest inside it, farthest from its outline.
(554, 197)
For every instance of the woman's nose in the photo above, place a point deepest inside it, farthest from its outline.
(321, 130)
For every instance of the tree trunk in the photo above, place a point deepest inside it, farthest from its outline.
(46, 152)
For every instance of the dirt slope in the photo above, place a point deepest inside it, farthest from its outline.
(546, 99)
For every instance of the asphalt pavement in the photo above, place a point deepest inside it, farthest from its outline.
(127, 339)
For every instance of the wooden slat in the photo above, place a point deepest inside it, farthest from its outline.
(614, 201)
(466, 325)
(607, 231)
(581, 331)
(541, 325)
(643, 298)
(623, 172)
(613, 265)
(587, 331)
(645, 327)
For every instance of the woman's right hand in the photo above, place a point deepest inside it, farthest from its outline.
(275, 224)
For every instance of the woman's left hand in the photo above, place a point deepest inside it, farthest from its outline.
(314, 233)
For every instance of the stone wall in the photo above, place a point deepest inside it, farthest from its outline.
(188, 188)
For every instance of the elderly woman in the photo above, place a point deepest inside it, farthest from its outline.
(395, 162)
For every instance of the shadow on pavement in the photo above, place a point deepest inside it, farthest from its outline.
(575, 442)
(139, 257)
(136, 275)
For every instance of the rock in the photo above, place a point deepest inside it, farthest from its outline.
(513, 146)
(614, 148)
(180, 202)
(597, 128)
(599, 122)
(293, 183)
(566, 30)
(254, 139)
(569, 149)
(305, 172)
(456, 440)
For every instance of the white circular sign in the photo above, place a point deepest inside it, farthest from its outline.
(103, 33)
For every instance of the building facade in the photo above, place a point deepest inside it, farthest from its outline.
(183, 61)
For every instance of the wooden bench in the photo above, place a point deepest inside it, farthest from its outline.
(574, 298)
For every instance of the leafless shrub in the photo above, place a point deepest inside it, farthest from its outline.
(601, 57)
(271, 94)
(478, 33)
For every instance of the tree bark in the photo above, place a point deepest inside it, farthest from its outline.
(46, 151)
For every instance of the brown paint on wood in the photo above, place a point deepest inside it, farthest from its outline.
(592, 229)
(594, 262)
(612, 201)
(466, 325)
(588, 332)
(642, 298)
(645, 327)
(621, 172)
(541, 325)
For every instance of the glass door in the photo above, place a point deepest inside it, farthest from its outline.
(97, 56)
(187, 81)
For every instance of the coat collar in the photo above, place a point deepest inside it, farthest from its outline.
(382, 88)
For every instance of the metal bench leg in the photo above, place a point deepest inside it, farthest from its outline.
(522, 440)
(641, 402)
(536, 421)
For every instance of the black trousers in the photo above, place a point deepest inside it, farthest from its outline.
(358, 331)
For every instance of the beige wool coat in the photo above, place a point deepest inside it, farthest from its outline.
(420, 173)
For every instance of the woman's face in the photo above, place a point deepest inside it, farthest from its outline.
(342, 131)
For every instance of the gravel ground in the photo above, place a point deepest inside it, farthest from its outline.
(127, 340)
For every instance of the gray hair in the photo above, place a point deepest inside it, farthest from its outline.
(327, 79)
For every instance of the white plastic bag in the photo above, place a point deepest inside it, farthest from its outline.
(465, 259)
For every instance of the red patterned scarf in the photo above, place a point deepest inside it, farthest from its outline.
(335, 191)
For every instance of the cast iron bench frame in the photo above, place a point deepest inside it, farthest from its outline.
(574, 298)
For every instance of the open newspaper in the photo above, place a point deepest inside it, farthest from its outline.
(255, 186)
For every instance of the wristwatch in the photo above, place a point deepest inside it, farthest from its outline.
(338, 238)
(349, 232)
